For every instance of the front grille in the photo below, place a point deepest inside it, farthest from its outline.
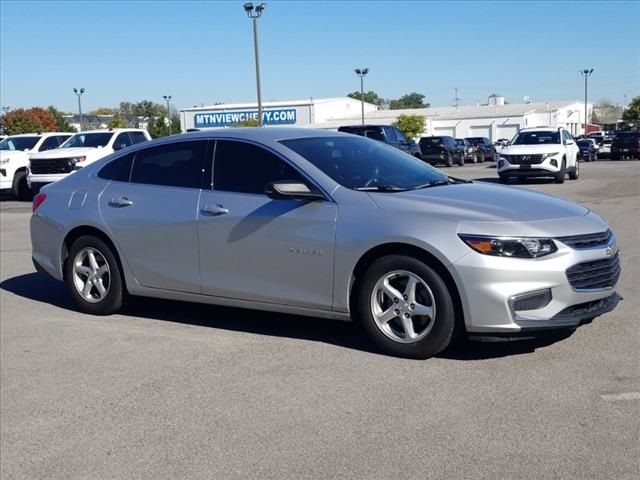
(591, 240)
(595, 274)
(51, 165)
(523, 159)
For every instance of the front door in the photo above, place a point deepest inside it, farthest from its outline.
(259, 249)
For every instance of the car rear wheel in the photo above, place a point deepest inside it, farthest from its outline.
(559, 177)
(475, 158)
(481, 157)
(449, 160)
(405, 307)
(461, 160)
(93, 276)
(19, 188)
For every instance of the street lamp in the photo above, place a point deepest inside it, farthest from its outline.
(362, 72)
(79, 94)
(254, 13)
(585, 73)
(6, 109)
(167, 98)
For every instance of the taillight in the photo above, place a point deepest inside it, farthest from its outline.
(38, 200)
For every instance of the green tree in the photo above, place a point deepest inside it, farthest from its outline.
(159, 126)
(249, 122)
(61, 122)
(411, 125)
(149, 109)
(410, 100)
(103, 111)
(369, 97)
(117, 122)
(631, 114)
(33, 120)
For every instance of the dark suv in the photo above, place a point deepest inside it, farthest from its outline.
(484, 148)
(387, 134)
(468, 151)
(626, 144)
(441, 150)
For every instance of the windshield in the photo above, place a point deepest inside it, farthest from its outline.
(355, 163)
(536, 138)
(623, 135)
(584, 143)
(18, 143)
(88, 140)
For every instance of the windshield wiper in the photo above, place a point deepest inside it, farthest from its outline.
(381, 188)
(437, 183)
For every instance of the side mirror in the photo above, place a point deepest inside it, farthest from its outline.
(291, 190)
(569, 142)
(118, 146)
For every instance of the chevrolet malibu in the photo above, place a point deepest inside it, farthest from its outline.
(324, 224)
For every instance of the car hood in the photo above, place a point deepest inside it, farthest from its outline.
(485, 208)
(68, 152)
(13, 154)
(531, 149)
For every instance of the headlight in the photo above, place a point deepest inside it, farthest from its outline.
(510, 246)
(75, 160)
(549, 155)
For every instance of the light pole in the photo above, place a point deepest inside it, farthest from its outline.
(254, 14)
(6, 109)
(79, 94)
(168, 98)
(585, 73)
(362, 72)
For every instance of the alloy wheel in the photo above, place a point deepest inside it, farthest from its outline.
(91, 275)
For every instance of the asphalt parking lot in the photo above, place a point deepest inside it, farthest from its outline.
(175, 390)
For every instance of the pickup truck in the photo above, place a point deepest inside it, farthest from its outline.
(626, 145)
(79, 151)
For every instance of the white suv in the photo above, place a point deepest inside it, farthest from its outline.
(14, 159)
(79, 151)
(540, 152)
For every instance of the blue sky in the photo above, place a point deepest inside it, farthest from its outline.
(202, 51)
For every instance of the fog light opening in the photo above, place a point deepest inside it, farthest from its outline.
(530, 301)
(554, 162)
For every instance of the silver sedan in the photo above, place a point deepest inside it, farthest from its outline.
(324, 224)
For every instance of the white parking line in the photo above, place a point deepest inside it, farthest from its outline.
(621, 397)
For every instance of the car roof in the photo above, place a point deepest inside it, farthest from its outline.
(113, 130)
(265, 134)
(540, 129)
(25, 135)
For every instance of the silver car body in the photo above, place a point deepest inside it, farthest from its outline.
(302, 257)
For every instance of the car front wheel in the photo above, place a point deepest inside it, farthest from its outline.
(93, 276)
(20, 189)
(575, 173)
(405, 307)
(559, 177)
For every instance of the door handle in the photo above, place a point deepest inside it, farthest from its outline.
(213, 210)
(119, 202)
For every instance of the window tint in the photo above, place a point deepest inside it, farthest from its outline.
(246, 168)
(122, 140)
(118, 169)
(138, 137)
(49, 143)
(390, 134)
(399, 135)
(174, 165)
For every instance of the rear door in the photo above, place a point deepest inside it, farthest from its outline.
(258, 249)
(153, 216)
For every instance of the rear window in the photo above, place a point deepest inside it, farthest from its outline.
(626, 135)
(431, 142)
(369, 132)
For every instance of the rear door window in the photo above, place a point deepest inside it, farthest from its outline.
(123, 140)
(138, 137)
(119, 169)
(49, 143)
(179, 164)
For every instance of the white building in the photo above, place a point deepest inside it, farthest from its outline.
(498, 120)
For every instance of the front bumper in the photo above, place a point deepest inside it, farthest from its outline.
(548, 167)
(44, 179)
(490, 284)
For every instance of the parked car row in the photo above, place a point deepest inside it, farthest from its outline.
(29, 161)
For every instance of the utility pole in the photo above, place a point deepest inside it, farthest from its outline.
(586, 73)
(362, 72)
(168, 98)
(79, 94)
(456, 99)
(254, 14)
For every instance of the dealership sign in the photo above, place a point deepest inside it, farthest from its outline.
(228, 119)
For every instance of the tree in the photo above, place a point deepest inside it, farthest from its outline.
(104, 111)
(149, 109)
(410, 100)
(33, 120)
(411, 125)
(604, 112)
(117, 122)
(249, 122)
(369, 97)
(631, 114)
(61, 122)
(159, 126)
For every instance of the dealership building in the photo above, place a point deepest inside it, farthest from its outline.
(496, 120)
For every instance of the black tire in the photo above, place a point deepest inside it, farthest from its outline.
(441, 332)
(418, 156)
(449, 160)
(559, 177)
(114, 298)
(503, 179)
(461, 160)
(475, 158)
(575, 173)
(481, 157)
(20, 189)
